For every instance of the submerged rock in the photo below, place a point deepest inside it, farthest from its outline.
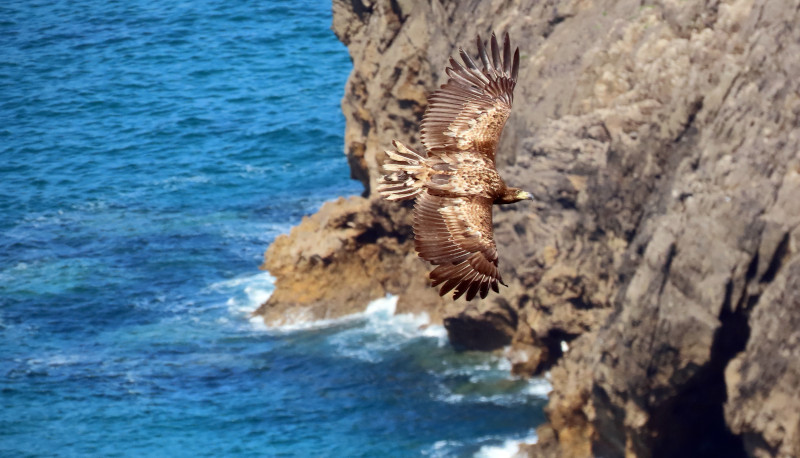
(656, 273)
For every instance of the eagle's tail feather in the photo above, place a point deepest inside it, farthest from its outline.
(406, 172)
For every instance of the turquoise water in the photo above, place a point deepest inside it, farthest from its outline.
(148, 156)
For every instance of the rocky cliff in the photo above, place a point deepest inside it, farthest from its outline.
(662, 142)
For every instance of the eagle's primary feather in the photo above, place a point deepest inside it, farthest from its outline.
(455, 181)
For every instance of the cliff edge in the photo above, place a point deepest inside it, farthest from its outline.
(662, 143)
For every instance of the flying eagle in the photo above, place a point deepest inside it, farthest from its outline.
(455, 181)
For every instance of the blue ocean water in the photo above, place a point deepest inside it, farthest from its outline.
(147, 156)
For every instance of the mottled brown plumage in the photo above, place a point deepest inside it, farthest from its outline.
(455, 182)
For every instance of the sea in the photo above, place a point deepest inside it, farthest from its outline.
(149, 154)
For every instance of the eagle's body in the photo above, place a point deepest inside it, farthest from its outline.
(456, 182)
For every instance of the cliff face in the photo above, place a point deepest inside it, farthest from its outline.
(661, 142)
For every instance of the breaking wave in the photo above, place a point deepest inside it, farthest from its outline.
(482, 447)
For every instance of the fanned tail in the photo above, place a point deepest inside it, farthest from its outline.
(405, 173)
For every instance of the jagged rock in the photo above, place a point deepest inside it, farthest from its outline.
(339, 259)
(704, 136)
(661, 142)
(763, 381)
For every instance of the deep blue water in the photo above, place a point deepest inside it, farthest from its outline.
(147, 153)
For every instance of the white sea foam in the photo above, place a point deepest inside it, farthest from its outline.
(249, 170)
(490, 446)
(509, 448)
(539, 388)
(177, 182)
(53, 360)
(90, 206)
(384, 331)
(63, 360)
(437, 332)
(441, 449)
(505, 399)
(246, 293)
(489, 382)
(370, 334)
(302, 320)
(504, 364)
(487, 366)
(57, 359)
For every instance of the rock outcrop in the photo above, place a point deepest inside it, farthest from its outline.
(662, 143)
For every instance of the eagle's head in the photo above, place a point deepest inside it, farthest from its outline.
(512, 195)
(523, 195)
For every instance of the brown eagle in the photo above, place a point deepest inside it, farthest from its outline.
(455, 181)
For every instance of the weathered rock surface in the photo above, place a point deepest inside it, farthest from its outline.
(662, 142)
(337, 260)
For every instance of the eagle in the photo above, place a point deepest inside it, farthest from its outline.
(455, 180)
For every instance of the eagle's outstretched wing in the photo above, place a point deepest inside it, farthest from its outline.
(455, 233)
(469, 111)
